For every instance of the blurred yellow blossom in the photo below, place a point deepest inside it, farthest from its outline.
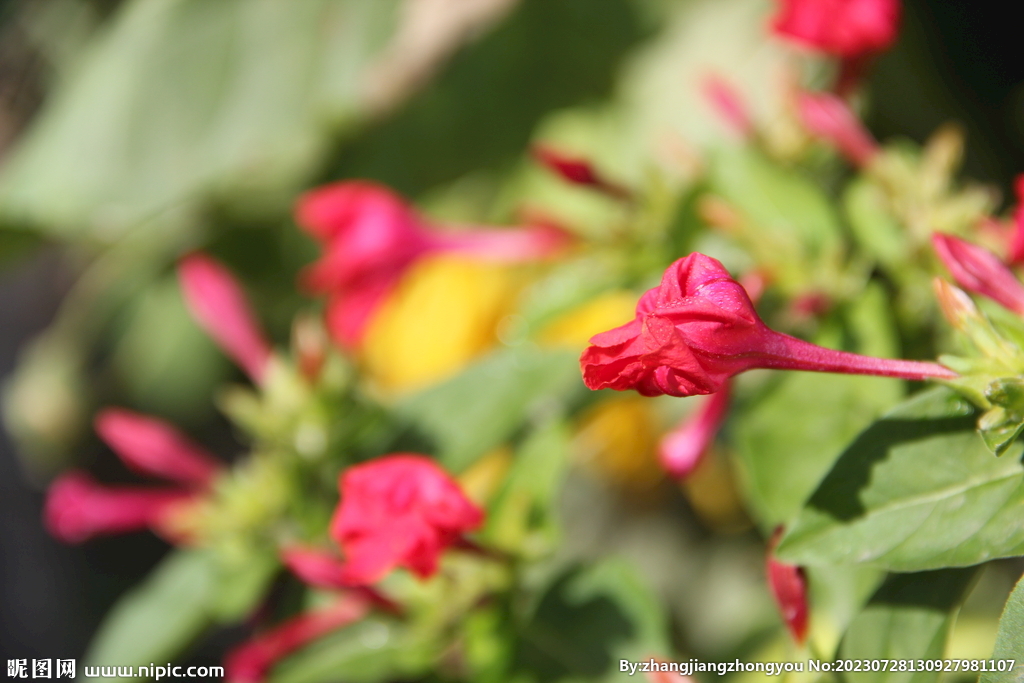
(442, 315)
(617, 439)
(577, 326)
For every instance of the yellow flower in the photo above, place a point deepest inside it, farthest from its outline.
(443, 314)
(576, 327)
(617, 439)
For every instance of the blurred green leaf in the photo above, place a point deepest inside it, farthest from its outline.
(876, 230)
(374, 649)
(1010, 639)
(586, 621)
(778, 201)
(241, 584)
(484, 405)
(179, 100)
(838, 593)
(908, 618)
(156, 621)
(917, 490)
(528, 497)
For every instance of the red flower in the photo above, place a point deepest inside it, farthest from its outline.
(219, 305)
(399, 510)
(699, 328)
(980, 271)
(250, 662)
(369, 237)
(77, 508)
(842, 28)
(788, 584)
(682, 449)
(829, 118)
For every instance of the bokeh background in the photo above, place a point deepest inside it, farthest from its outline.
(466, 94)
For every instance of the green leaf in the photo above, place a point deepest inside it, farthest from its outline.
(525, 504)
(778, 201)
(241, 584)
(484, 405)
(586, 621)
(917, 490)
(909, 617)
(874, 227)
(157, 620)
(374, 649)
(180, 100)
(783, 457)
(1010, 639)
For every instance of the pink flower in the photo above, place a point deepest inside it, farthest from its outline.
(842, 28)
(829, 118)
(370, 236)
(219, 305)
(698, 328)
(154, 447)
(576, 171)
(980, 271)
(250, 662)
(78, 509)
(399, 510)
(788, 585)
(682, 449)
(728, 104)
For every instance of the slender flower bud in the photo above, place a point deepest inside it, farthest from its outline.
(219, 305)
(682, 449)
(154, 447)
(251, 661)
(576, 171)
(980, 271)
(370, 236)
(788, 584)
(698, 328)
(842, 28)
(829, 118)
(77, 508)
(399, 510)
(728, 104)
(956, 306)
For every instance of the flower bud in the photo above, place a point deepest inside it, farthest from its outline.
(827, 117)
(682, 449)
(219, 305)
(980, 271)
(153, 447)
(788, 585)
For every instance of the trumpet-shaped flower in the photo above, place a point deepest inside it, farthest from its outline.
(698, 328)
(370, 236)
(788, 585)
(219, 305)
(829, 118)
(842, 28)
(399, 510)
(1016, 242)
(980, 271)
